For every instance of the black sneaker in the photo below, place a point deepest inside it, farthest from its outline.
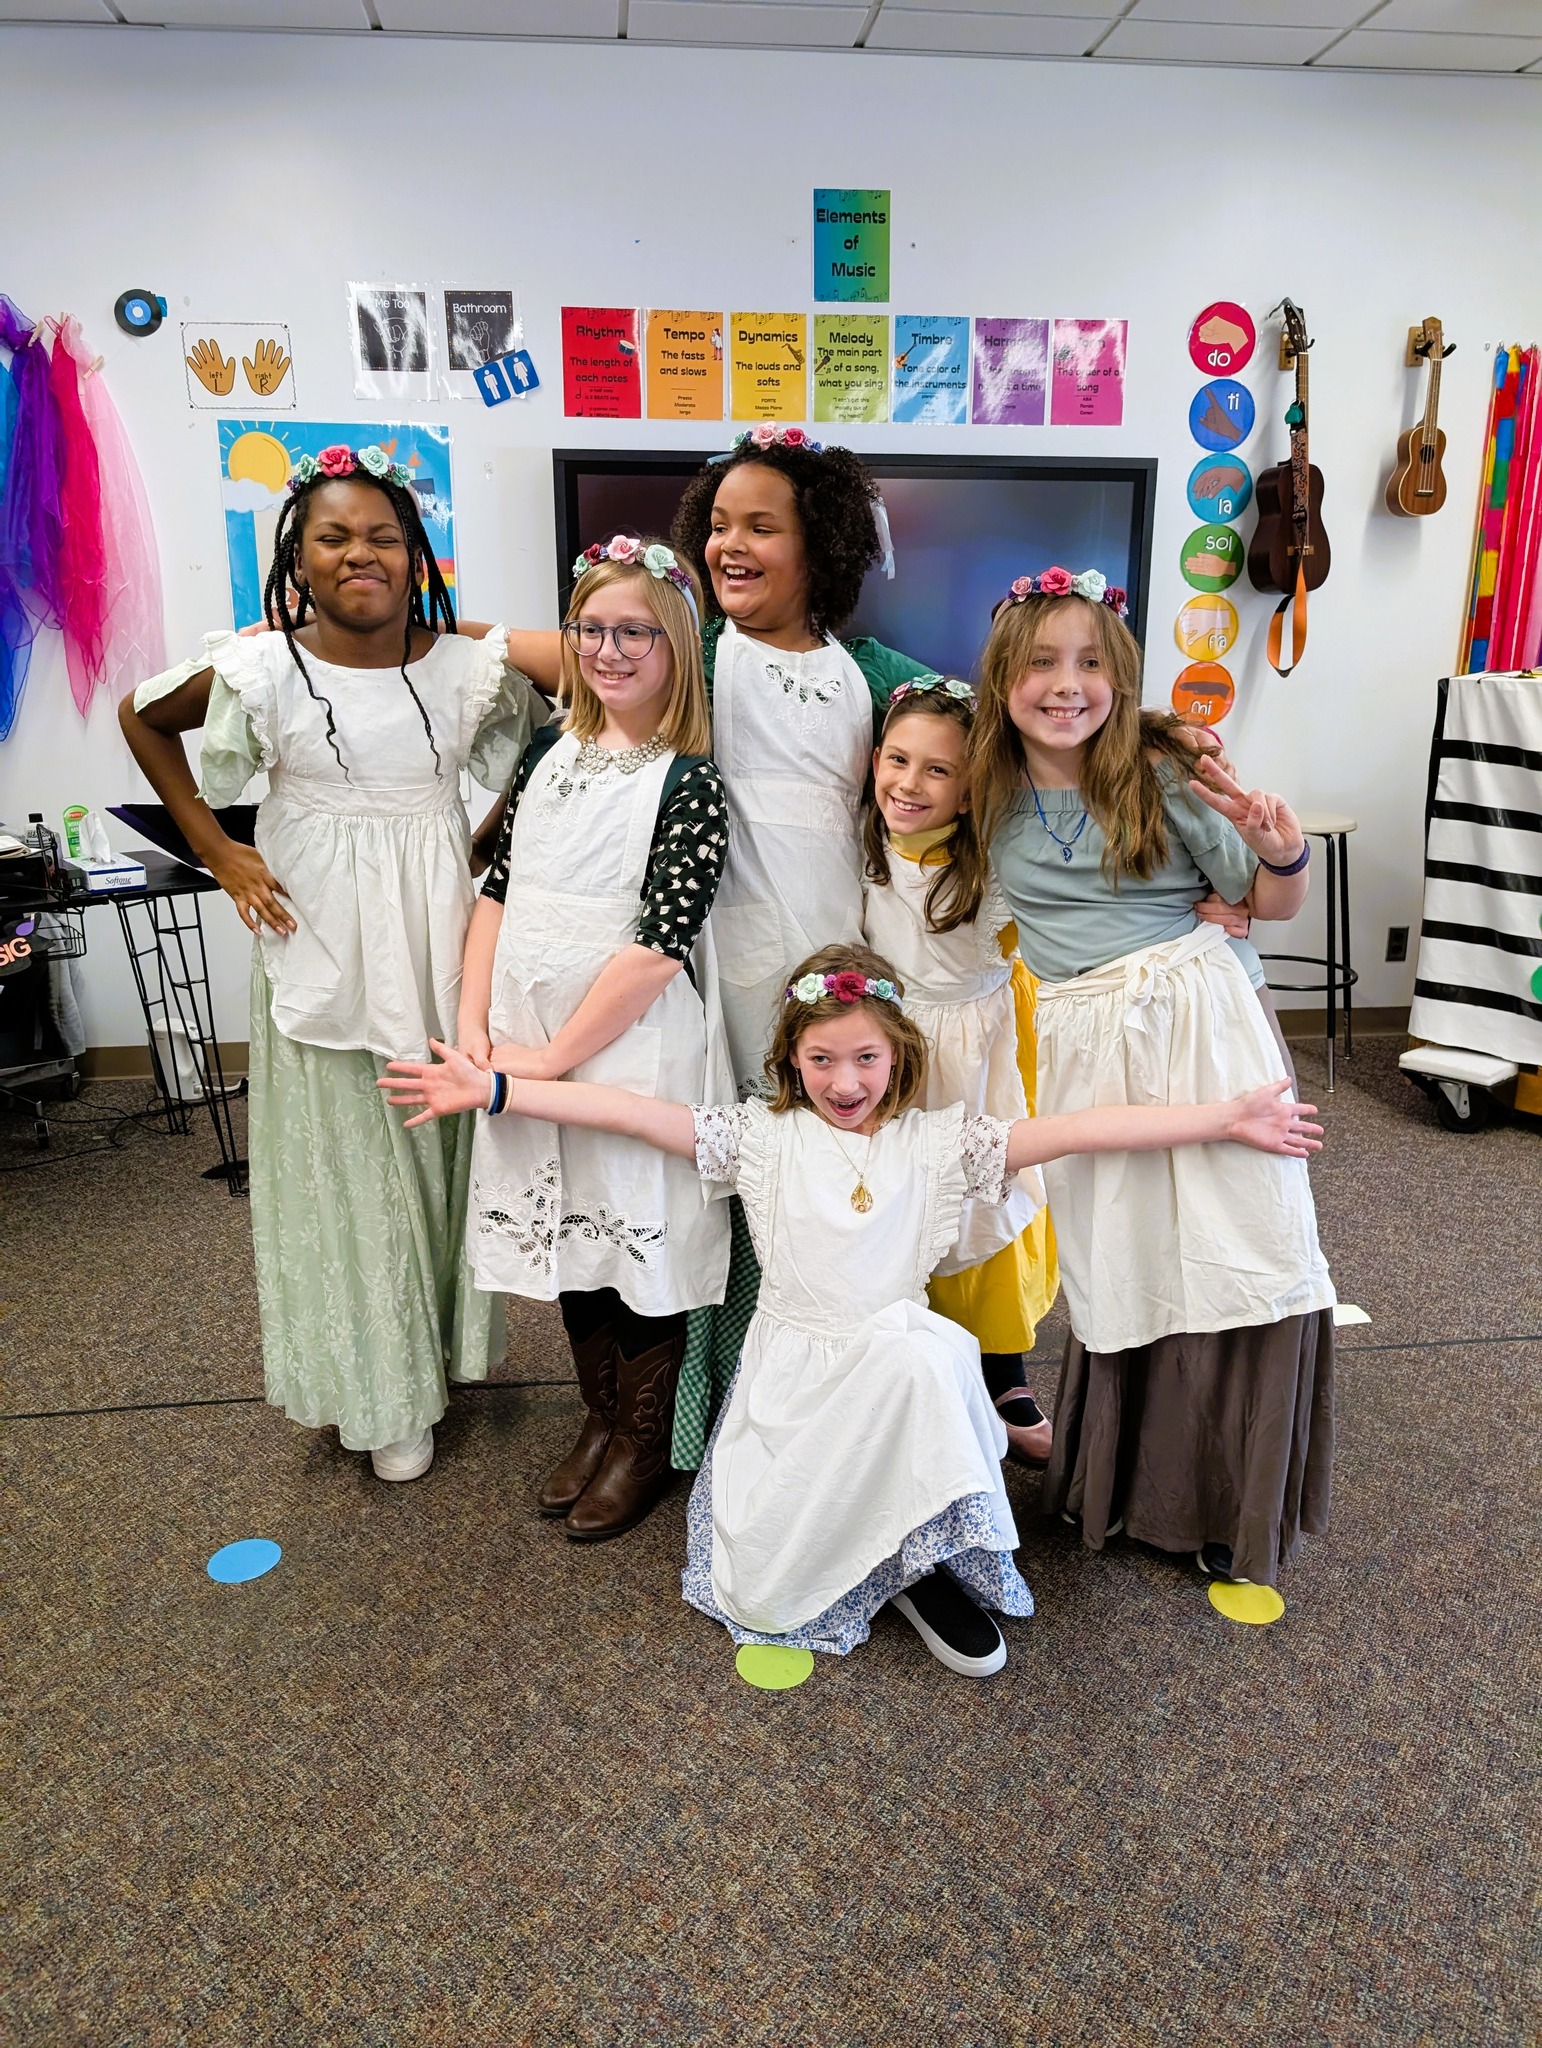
(956, 1631)
(1214, 1560)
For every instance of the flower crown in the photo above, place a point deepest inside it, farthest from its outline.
(772, 434)
(847, 987)
(929, 685)
(1091, 584)
(340, 461)
(628, 552)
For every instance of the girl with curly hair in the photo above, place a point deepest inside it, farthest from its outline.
(857, 1459)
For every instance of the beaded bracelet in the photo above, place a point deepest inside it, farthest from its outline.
(498, 1094)
(1296, 865)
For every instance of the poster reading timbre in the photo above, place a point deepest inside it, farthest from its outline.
(851, 366)
(1088, 384)
(931, 369)
(685, 365)
(601, 376)
(768, 366)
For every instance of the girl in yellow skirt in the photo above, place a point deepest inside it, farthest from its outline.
(932, 906)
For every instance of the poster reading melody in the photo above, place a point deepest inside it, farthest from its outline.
(256, 457)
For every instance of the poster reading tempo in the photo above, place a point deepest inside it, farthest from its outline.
(768, 366)
(601, 377)
(851, 246)
(685, 365)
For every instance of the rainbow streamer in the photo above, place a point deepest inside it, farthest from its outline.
(1504, 610)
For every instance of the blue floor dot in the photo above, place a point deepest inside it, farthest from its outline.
(238, 1562)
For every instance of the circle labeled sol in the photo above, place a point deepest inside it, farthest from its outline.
(1211, 558)
(1222, 338)
(1220, 487)
(1206, 627)
(1203, 693)
(1221, 416)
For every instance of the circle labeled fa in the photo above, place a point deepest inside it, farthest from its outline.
(1212, 558)
(1220, 487)
(1203, 693)
(1221, 416)
(1207, 627)
(1222, 338)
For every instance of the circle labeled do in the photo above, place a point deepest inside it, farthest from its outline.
(1220, 487)
(1207, 626)
(1221, 415)
(1222, 338)
(1203, 693)
(1212, 558)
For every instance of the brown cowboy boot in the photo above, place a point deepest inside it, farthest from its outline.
(636, 1470)
(595, 1359)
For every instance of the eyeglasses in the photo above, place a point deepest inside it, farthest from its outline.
(632, 641)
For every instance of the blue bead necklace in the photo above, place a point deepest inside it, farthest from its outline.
(1065, 845)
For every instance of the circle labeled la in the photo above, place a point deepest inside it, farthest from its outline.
(1206, 627)
(1212, 558)
(1221, 416)
(1203, 693)
(1222, 338)
(1220, 487)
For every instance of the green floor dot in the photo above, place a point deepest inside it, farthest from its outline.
(771, 1667)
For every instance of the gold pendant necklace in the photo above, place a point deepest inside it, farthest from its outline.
(861, 1194)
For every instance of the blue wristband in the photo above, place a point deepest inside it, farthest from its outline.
(1296, 865)
(499, 1095)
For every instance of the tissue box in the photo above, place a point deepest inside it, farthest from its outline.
(100, 877)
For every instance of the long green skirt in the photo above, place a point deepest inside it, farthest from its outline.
(714, 1337)
(358, 1226)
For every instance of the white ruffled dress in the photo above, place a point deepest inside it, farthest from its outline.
(857, 1448)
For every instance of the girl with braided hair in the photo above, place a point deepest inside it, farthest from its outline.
(363, 705)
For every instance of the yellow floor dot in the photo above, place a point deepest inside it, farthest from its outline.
(771, 1667)
(1257, 1605)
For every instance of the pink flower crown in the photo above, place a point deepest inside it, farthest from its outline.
(772, 434)
(338, 461)
(1090, 583)
(847, 987)
(631, 553)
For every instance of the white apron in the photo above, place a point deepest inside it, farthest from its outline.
(1201, 1238)
(792, 735)
(574, 1210)
(958, 989)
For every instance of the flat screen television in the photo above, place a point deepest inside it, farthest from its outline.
(963, 526)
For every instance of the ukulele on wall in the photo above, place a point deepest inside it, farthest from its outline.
(1289, 548)
(1417, 486)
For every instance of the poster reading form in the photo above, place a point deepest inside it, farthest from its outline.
(768, 366)
(1011, 372)
(685, 365)
(851, 246)
(600, 374)
(931, 369)
(1088, 387)
(851, 366)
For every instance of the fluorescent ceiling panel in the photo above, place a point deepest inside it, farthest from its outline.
(1005, 35)
(1461, 17)
(1220, 42)
(1410, 51)
(1255, 13)
(1102, 10)
(245, 13)
(501, 17)
(803, 26)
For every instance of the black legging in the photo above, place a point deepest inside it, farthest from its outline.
(583, 1314)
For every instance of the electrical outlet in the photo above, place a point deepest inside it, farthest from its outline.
(1397, 942)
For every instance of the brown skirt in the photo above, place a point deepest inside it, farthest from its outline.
(1226, 1438)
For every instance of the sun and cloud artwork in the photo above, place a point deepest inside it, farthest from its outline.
(256, 457)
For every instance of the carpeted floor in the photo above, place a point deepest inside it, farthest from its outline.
(444, 1778)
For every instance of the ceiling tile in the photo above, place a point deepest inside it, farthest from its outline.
(1411, 51)
(1461, 17)
(53, 10)
(501, 17)
(245, 13)
(1255, 13)
(803, 25)
(1213, 43)
(1007, 35)
(1102, 10)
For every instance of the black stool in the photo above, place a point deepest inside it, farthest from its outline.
(1339, 976)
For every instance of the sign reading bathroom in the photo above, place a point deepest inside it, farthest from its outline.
(931, 369)
(851, 246)
(601, 377)
(768, 365)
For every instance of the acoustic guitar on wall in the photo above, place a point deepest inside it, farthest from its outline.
(1418, 486)
(1289, 548)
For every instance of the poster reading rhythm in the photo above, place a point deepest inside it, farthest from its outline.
(685, 365)
(1011, 372)
(851, 246)
(600, 374)
(1088, 383)
(768, 366)
(931, 369)
(851, 366)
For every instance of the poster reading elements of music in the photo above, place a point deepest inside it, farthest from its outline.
(931, 369)
(851, 246)
(601, 378)
(851, 366)
(768, 366)
(1011, 372)
(1088, 386)
(685, 365)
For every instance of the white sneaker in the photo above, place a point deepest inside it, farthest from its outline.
(409, 1459)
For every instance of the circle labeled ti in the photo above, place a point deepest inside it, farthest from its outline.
(1220, 487)
(1221, 416)
(1212, 557)
(1203, 693)
(1207, 627)
(1222, 338)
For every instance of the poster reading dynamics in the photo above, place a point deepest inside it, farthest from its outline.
(256, 457)
(851, 366)
(601, 377)
(1088, 387)
(851, 246)
(768, 366)
(931, 369)
(685, 365)
(1011, 372)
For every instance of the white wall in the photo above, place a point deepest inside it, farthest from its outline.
(250, 177)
